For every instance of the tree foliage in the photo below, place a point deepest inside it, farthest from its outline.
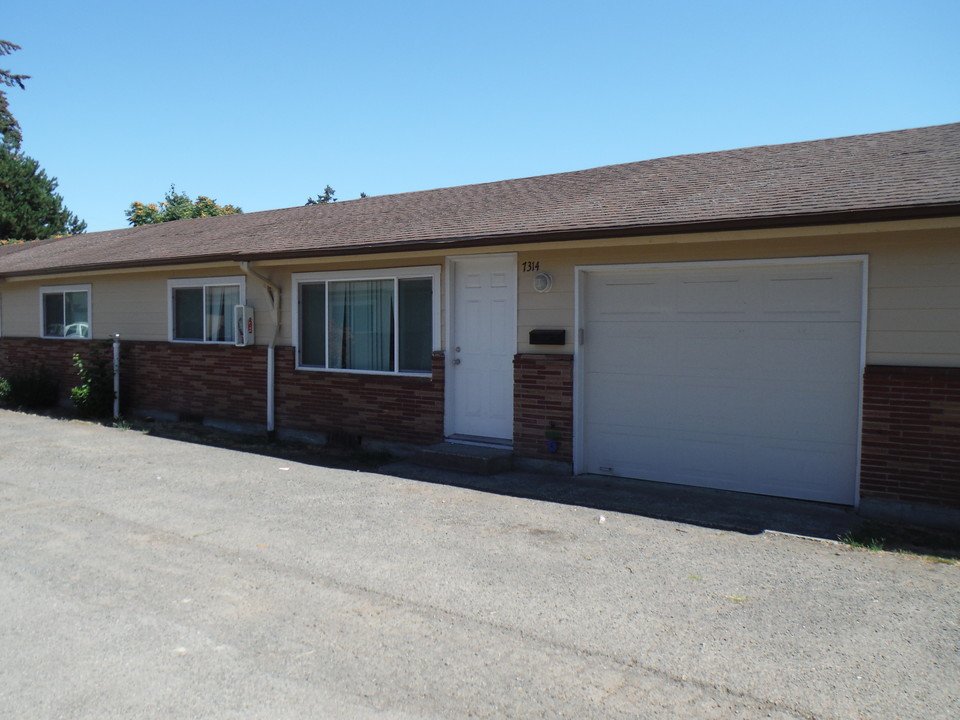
(9, 127)
(30, 208)
(326, 197)
(177, 206)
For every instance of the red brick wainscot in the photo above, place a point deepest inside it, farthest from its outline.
(543, 407)
(397, 408)
(20, 356)
(195, 380)
(911, 435)
(219, 382)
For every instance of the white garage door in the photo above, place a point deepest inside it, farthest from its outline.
(736, 377)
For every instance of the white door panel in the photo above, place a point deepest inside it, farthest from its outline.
(735, 377)
(483, 342)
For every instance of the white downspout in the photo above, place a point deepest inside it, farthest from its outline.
(116, 376)
(274, 292)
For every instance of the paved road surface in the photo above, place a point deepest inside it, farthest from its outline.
(146, 578)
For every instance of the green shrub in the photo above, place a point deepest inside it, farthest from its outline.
(93, 397)
(31, 389)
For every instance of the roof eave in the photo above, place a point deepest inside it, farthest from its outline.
(610, 231)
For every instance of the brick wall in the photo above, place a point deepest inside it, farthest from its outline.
(543, 406)
(397, 408)
(219, 382)
(911, 435)
(222, 382)
(911, 415)
(20, 355)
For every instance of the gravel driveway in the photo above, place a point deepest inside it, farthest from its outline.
(148, 578)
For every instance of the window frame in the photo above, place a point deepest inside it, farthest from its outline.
(431, 272)
(202, 283)
(45, 290)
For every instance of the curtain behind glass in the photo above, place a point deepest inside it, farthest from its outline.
(53, 314)
(220, 300)
(188, 314)
(313, 325)
(361, 325)
(416, 324)
(76, 314)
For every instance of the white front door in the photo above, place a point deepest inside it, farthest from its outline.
(483, 341)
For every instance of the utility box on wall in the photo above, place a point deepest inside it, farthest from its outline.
(243, 326)
(548, 337)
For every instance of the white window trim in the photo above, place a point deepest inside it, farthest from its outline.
(426, 271)
(59, 289)
(201, 282)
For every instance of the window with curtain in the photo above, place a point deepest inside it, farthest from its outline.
(374, 325)
(65, 311)
(202, 309)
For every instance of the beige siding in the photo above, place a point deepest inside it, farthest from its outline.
(132, 304)
(913, 282)
(134, 307)
(21, 310)
(913, 298)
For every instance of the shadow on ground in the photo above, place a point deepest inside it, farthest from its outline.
(719, 509)
(740, 512)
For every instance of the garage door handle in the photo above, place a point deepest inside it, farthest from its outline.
(456, 361)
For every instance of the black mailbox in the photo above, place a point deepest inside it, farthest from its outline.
(548, 337)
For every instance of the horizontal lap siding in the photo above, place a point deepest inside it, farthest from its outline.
(911, 435)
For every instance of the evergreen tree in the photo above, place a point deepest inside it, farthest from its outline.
(9, 127)
(327, 197)
(30, 208)
(176, 206)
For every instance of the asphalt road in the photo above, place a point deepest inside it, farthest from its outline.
(147, 578)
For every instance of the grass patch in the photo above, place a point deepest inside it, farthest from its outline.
(934, 545)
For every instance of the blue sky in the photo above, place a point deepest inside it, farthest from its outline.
(263, 104)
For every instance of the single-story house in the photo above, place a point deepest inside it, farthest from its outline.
(782, 320)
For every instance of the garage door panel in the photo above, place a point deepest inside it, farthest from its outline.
(739, 377)
(623, 347)
(810, 350)
(717, 295)
(708, 460)
(710, 348)
(798, 411)
(607, 455)
(815, 471)
(703, 405)
(621, 395)
(621, 297)
(824, 293)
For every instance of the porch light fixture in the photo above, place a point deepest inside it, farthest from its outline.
(542, 282)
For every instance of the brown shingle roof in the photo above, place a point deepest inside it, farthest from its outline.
(907, 173)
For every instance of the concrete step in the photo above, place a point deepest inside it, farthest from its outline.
(475, 459)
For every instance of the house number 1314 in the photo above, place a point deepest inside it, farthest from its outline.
(531, 265)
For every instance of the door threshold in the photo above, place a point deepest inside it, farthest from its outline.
(480, 440)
